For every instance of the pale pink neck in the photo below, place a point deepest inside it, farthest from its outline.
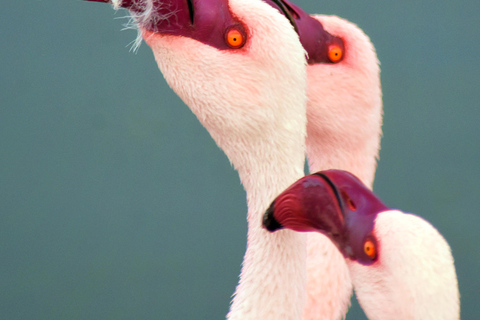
(345, 112)
(272, 281)
(361, 160)
(253, 105)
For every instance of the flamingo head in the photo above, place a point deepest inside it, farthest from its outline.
(332, 202)
(207, 21)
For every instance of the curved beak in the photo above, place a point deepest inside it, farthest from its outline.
(285, 10)
(165, 16)
(310, 204)
(135, 6)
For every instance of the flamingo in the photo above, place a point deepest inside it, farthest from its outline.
(329, 287)
(344, 113)
(401, 266)
(218, 57)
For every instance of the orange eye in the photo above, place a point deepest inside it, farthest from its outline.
(370, 249)
(335, 53)
(235, 38)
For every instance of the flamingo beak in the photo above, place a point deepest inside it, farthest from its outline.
(161, 13)
(126, 4)
(310, 204)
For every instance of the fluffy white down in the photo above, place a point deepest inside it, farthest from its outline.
(414, 277)
(344, 114)
(253, 103)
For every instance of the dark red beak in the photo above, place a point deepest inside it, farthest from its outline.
(135, 6)
(310, 204)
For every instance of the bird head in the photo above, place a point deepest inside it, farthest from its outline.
(332, 202)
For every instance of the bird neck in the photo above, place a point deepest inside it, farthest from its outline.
(262, 131)
(252, 102)
(273, 276)
(344, 129)
(345, 112)
(359, 159)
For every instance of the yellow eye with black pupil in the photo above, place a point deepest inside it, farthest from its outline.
(370, 249)
(335, 53)
(235, 39)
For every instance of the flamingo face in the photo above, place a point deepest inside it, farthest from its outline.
(315, 40)
(335, 203)
(208, 21)
(211, 22)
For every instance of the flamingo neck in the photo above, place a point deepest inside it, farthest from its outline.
(253, 104)
(273, 277)
(268, 160)
(345, 111)
(344, 129)
(360, 160)
(344, 114)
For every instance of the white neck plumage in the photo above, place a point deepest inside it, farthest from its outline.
(269, 158)
(272, 282)
(253, 104)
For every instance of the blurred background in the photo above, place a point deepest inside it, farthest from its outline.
(116, 204)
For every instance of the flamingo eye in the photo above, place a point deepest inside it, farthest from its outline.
(235, 38)
(370, 249)
(335, 53)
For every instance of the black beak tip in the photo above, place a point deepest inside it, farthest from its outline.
(269, 222)
(104, 1)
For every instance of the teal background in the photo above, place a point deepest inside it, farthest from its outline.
(116, 204)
